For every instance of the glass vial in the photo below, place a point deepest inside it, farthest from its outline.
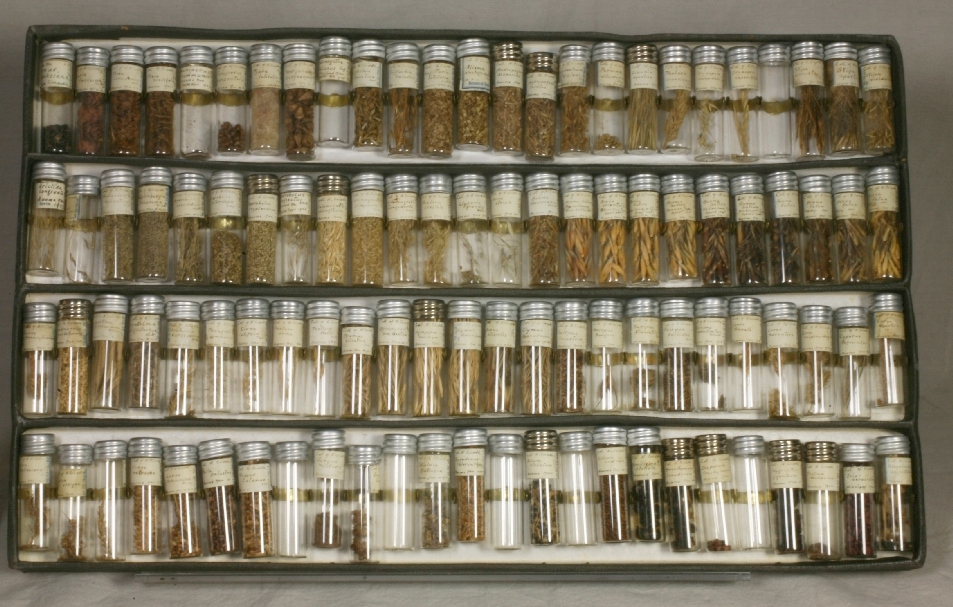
(36, 493)
(781, 360)
(851, 374)
(680, 228)
(367, 229)
(56, 92)
(180, 479)
(403, 81)
(73, 353)
(398, 484)
(715, 227)
(611, 226)
(368, 90)
(145, 488)
(608, 109)
(117, 225)
(889, 351)
(818, 205)
(430, 343)
(711, 358)
(226, 228)
(334, 100)
(323, 358)
(776, 87)
(539, 139)
(261, 229)
(842, 76)
(816, 371)
(572, 347)
(162, 65)
(328, 489)
(471, 227)
(645, 453)
(289, 354)
(109, 495)
(642, 354)
(221, 495)
(218, 318)
(542, 201)
(181, 356)
(264, 100)
(536, 355)
(860, 496)
(679, 466)
(81, 227)
(291, 498)
(357, 351)
(506, 491)
(364, 488)
(784, 208)
(466, 352)
(196, 95)
(883, 207)
(393, 356)
(436, 226)
(745, 353)
(612, 469)
(875, 76)
(125, 100)
(506, 227)
(708, 116)
(575, 129)
(675, 132)
(751, 243)
(469, 469)
(716, 492)
(251, 330)
(72, 489)
(433, 489)
(437, 101)
(189, 227)
(542, 474)
(787, 494)
(92, 62)
(823, 520)
(895, 482)
(152, 238)
(642, 115)
(294, 229)
(331, 229)
(678, 350)
(47, 213)
(146, 321)
(402, 221)
(38, 353)
(473, 94)
(255, 490)
(578, 213)
(299, 87)
(850, 214)
(508, 98)
(606, 356)
(752, 493)
(579, 495)
(743, 137)
(499, 357)
(810, 99)
(644, 229)
(231, 94)
(108, 364)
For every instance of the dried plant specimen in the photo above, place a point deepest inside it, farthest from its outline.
(571, 381)
(152, 255)
(505, 238)
(646, 255)
(299, 122)
(706, 110)
(117, 232)
(607, 142)
(184, 539)
(471, 509)
(536, 379)
(190, 250)
(464, 388)
(367, 251)
(677, 379)
(37, 375)
(578, 249)
(401, 250)
(327, 527)
(231, 137)
(852, 250)
(222, 519)
(44, 232)
(436, 516)
(472, 254)
(751, 253)
(643, 380)
(615, 507)
(72, 381)
(81, 250)
(612, 258)
(682, 248)
(257, 533)
(261, 240)
(498, 382)
(403, 125)
(296, 248)
(145, 519)
(90, 122)
(681, 517)
(108, 522)
(544, 250)
(73, 540)
(368, 117)
(843, 107)
(816, 369)
(265, 106)
(360, 535)
(809, 126)
(254, 359)
(437, 129)
(818, 257)
(356, 383)
(428, 381)
(392, 362)
(37, 511)
(108, 365)
(227, 255)
(540, 128)
(574, 127)
(125, 116)
(181, 398)
(786, 251)
(643, 120)
(878, 120)
(332, 251)
(680, 106)
(716, 261)
(160, 123)
(507, 119)
(886, 250)
(778, 360)
(218, 378)
(473, 118)
(436, 237)
(543, 512)
(741, 112)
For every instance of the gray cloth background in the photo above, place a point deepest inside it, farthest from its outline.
(922, 28)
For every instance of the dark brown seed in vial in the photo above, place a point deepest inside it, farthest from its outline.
(90, 123)
(299, 122)
(160, 124)
(231, 137)
(125, 116)
(57, 139)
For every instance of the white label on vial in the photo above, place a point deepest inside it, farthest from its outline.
(715, 468)
(266, 75)
(537, 333)
(295, 203)
(125, 77)
(71, 334)
(218, 472)
(743, 76)
(816, 337)
(715, 205)
(220, 334)
(144, 328)
(679, 206)
(56, 73)
(882, 198)
(195, 78)
(429, 334)
(180, 479)
(469, 461)
(889, 325)
(644, 204)
(401, 206)
(357, 340)
(254, 478)
(898, 471)
(329, 464)
(572, 73)
(508, 73)
(822, 476)
(542, 202)
(786, 475)
(610, 73)
(505, 204)
(263, 207)
(393, 332)
(876, 76)
(644, 330)
(680, 473)
(288, 333)
(299, 75)
(818, 205)
(646, 466)
(117, 201)
(49, 195)
(786, 204)
(39, 336)
(541, 85)
(849, 205)
(749, 207)
(160, 79)
(71, 482)
(467, 335)
(853, 341)
(231, 76)
(542, 465)
(846, 73)
(433, 468)
(368, 74)
(334, 68)
(324, 332)
(643, 76)
(332, 207)
(403, 75)
(710, 77)
(252, 332)
(808, 72)
(577, 205)
(153, 199)
(612, 460)
(471, 206)
(475, 74)
(678, 333)
(677, 77)
(611, 206)
(90, 79)
(367, 203)
(606, 334)
(35, 470)
(781, 334)
(711, 331)
(225, 202)
(859, 479)
(438, 75)
(746, 329)
(109, 326)
(145, 471)
(500, 334)
(570, 335)
(183, 335)
(435, 206)
(188, 203)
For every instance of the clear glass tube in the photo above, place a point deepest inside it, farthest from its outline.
(108, 365)
(152, 237)
(572, 348)
(474, 77)
(787, 266)
(823, 518)
(889, 351)
(506, 228)
(469, 470)
(291, 499)
(716, 492)
(403, 81)
(253, 353)
(368, 64)
(37, 359)
(751, 230)
(466, 337)
(264, 100)
(777, 93)
(681, 233)
(436, 101)
(323, 358)
(677, 352)
(221, 495)
(255, 493)
(810, 95)
(288, 349)
(196, 97)
(299, 80)
(402, 230)
(226, 229)
(430, 347)
(781, 360)
(645, 229)
(499, 358)
(231, 97)
(471, 230)
(742, 134)
(752, 493)
(219, 356)
(91, 67)
(612, 470)
(895, 486)
(109, 491)
(261, 229)
(852, 365)
(508, 97)
(56, 91)
(367, 229)
(577, 511)
(328, 472)
(647, 499)
(886, 226)
(125, 100)
(393, 356)
(543, 227)
(715, 229)
(540, 128)
(608, 109)
(72, 354)
(357, 350)
(505, 491)
(878, 102)
(180, 476)
(542, 474)
(73, 482)
(642, 115)
(47, 213)
(860, 500)
(334, 100)
(433, 482)
(116, 226)
(611, 228)
(189, 228)
(436, 238)
(145, 487)
(842, 77)
(579, 258)
(81, 230)
(364, 487)
(787, 493)
(642, 355)
(295, 228)
(679, 466)
(745, 370)
(536, 358)
(675, 132)
(36, 503)
(711, 359)
(398, 471)
(575, 126)
(708, 116)
(816, 372)
(181, 356)
(606, 357)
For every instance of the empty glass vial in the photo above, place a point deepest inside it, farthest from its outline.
(640, 373)
(678, 350)
(47, 212)
(403, 82)
(572, 346)
(294, 229)
(72, 489)
(784, 208)
(536, 347)
(38, 353)
(393, 356)
(542, 198)
(579, 494)
(542, 473)
(743, 137)
(72, 353)
(810, 99)
(709, 116)
(842, 77)
(367, 229)
(402, 221)
(471, 226)
(711, 358)
(539, 138)
(145, 488)
(574, 101)
(261, 229)
(466, 352)
(823, 520)
(109, 495)
(781, 360)
(850, 214)
(508, 97)
(368, 87)
(56, 91)
(645, 453)
(895, 485)
(787, 493)
(751, 244)
(291, 498)
(231, 86)
(776, 87)
(323, 358)
(883, 207)
(180, 481)
(81, 227)
(680, 228)
(117, 224)
(675, 132)
(815, 374)
(578, 213)
(36, 493)
(334, 100)
(818, 206)
(226, 228)
(357, 350)
(644, 229)
(744, 353)
(162, 64)
(365, 488)
(889, 353)
(473, 94)
(196, 95)
(606, 356)
(299, 87)
(125, 99)
(435, 229)
(679, 467)
(221, 495)
(469, 469)
(152, 238)
(328, 490)
(608, 109)
(716, 492)
(436, 129)
(288, 351)
(506, 227)
(433, 489)
(612, 470)
(331, 229)
(611, 227)
(264, 100)
(251, 330)
(255, 489)
(715, 227)
(860, 496)
(146, 320)
(189, 227)
(398, 484)
(91, 66)
(218, 317)
(752, 493)
(430, 344)
(108, 365)
(851, 370)
(499, 357)
(877, 95)
(181, 356)
(506, 491)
